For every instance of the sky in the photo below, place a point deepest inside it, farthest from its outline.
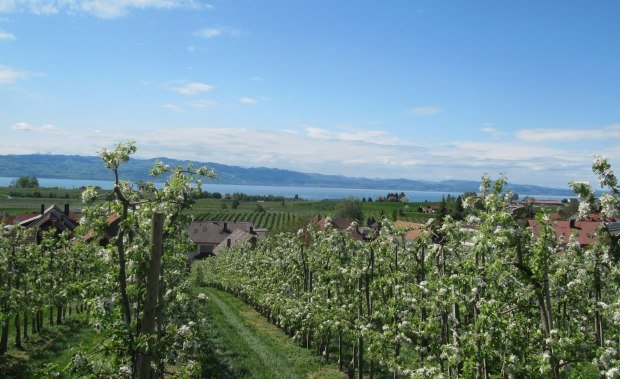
(429, 90)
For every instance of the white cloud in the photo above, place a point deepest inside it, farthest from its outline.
(6, 36)
(191, 89)
(9, 75)
(172, 107)
(248, 100)
(344, 150)
(547, 135)
(106, 9)
(489, 128)
(424, 111)
(22, 126)
(212, 32)
(348, 133)
(26, 127)
(208, 33)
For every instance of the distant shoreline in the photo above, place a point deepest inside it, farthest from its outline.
(307, 192)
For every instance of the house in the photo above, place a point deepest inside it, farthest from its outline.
(413, 229)
(52, 217)
(109, 232)
(543, 203)
(206, 235)
(358, 233)
(431, 209)
(585, 231)
(237, 237)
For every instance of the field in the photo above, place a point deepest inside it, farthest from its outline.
(276, 216)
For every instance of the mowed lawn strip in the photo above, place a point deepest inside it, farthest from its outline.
(262, 350)
(49, 352)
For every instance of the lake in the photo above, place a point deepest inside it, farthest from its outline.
(308, 193)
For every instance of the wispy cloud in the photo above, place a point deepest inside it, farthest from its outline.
(202, 103)
(348, 133)
(208, 33)
(343, 150)
(489, 128)
(172, 107)
(248, 100)
(424, 111)
(213, 32)
(26, 127)
(9, 75)
(189, 89)
(106, 9)
(6, 36)
(193, 49)
(548, 135)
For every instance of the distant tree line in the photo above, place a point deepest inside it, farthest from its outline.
(393, 197)
(25, 182)
(242, 196)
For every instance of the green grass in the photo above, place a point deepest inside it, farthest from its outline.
(49, 351)
(250, 347)
(277, 216)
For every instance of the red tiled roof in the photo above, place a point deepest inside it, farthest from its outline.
(7, 220)
(416, 228)
(584, 230)
(550, 203)
(25, 216)
(596, 217)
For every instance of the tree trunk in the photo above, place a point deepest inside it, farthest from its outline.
(26, 326)
(152, 291)
(59, 314)
(18, 332)
(4, 339)
(360, 348)
(122, 278)
(160, 323)
(340, 352)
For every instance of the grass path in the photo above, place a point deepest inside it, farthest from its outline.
(48, 352)
(256, 348)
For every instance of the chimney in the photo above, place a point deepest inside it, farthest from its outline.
(572, 223)
(252, 230)
(228, 242)
(42, 208)
(67, 209)
(225, 229)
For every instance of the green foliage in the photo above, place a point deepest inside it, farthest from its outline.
(492, 301)
(25, 182)
(350, 208)
(117, 304)
(235, 204)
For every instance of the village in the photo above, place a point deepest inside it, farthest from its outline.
(211, 237)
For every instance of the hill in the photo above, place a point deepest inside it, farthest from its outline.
(90, 167)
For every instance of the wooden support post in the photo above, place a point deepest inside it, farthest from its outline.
(152, 289)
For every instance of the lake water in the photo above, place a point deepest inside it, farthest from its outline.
(309, 193)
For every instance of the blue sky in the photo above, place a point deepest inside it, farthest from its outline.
(402, 89)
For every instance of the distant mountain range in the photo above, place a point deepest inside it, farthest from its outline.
(91, 167)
